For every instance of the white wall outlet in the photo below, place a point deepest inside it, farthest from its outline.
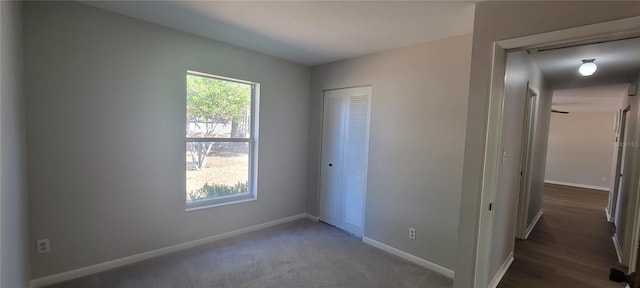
(412, 233)
(42, 246)
(604, 179)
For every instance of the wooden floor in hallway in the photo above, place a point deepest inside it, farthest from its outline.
(570, 246)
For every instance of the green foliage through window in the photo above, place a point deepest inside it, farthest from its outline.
(212, 102)
(212, 105)
(216, 191)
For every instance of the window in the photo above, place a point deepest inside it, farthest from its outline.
(221, 140)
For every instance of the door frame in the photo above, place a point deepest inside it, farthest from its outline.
(609, 30)
(635, 217)
(633, 266)
(1, 96)
(530, 126)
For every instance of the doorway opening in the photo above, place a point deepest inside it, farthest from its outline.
(500, 156)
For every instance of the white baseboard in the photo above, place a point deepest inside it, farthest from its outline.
(616, 244)
(84, 271)
(608, 215)
(407, 256)
(533, 224)
(503, 270)
(312, 218)
(577, 185)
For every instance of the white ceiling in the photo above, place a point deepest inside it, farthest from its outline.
(598, 98)
(618, 62)
(307, 32)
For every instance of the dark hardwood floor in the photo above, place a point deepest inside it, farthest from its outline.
(569, 247)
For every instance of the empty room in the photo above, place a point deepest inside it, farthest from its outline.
(267, 143)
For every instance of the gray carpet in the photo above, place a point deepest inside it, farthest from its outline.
(296, 254)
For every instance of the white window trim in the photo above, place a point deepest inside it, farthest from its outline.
(253, 151)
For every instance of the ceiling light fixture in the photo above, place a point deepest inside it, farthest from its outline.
(588, 67)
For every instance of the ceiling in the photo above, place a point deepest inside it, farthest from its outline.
(307, 32)
(618, 62)
(598, 98)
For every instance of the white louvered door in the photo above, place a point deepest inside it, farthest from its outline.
(345, 153)
(332, 152)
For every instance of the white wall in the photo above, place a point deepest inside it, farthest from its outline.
(106, 110)
(494, 21)
(520, 70)
(416, 143)
(580, 148)
(14, 260)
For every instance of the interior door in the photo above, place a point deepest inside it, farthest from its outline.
(619, 167)
(332, 155)
(356, 157)
(526, 159)
(345, 155)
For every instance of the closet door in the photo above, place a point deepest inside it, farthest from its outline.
(332, 155)
(356, 157)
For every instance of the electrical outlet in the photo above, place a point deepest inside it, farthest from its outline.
(42, 246)
(412, 233)
(604, 179)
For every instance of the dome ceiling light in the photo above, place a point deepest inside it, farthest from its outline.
(588, 67)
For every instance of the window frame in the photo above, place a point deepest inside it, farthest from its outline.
(253, 149)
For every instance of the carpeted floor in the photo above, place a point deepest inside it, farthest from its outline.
(296, 254)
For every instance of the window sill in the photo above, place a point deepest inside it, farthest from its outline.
(194, 207)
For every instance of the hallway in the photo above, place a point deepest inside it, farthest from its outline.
(571, 245)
